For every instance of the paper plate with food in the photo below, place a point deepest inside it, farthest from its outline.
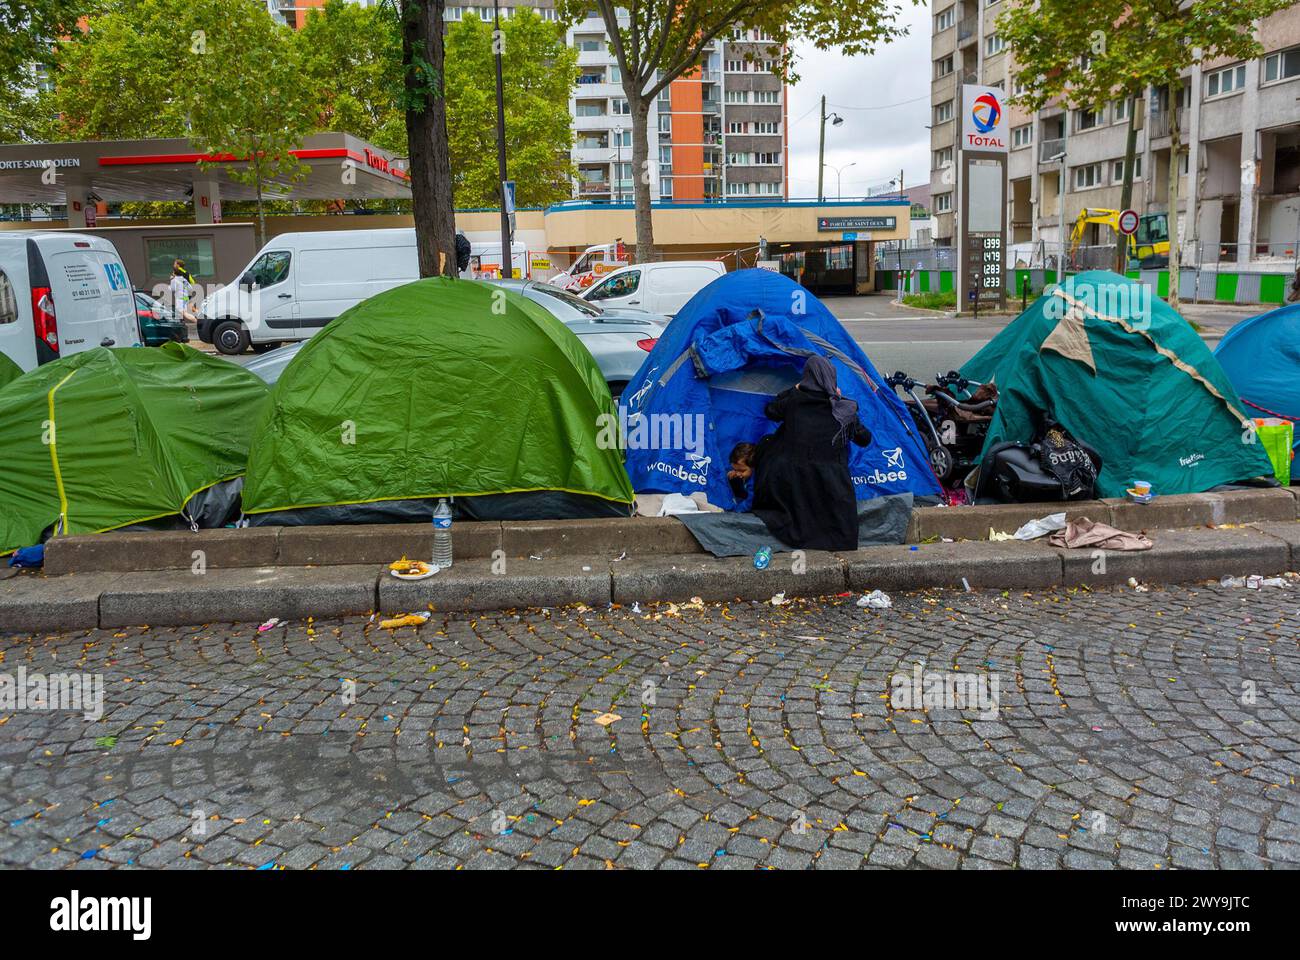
(412, 569)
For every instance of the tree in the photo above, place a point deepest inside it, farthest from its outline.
(351, 63)
(29, 32)
(1086, 54)
(258, 124)
(665, 39)
(424, 101)
(537, 76)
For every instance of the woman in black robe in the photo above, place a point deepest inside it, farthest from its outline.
(802, 487)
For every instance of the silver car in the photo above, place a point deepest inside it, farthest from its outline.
(618, 338)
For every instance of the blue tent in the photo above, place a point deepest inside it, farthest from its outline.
(1261, 356)
(738, 343)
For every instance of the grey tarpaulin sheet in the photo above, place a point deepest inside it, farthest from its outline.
(881, 520)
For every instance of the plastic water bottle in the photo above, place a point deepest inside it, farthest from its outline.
(762, 557)
(442, 535)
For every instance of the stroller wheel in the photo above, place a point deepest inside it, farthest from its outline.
(941, 462)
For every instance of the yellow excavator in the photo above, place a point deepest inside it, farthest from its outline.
(1147, 247)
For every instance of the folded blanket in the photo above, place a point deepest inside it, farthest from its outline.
(1082, 532)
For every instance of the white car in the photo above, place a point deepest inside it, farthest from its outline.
(62, 293)
(299, 282)
(662, 287)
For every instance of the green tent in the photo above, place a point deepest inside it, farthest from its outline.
(1123, 372)
(437, 388)
(9, 371)
(112, 437)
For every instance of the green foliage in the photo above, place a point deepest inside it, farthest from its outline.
(538, 71)
(1130, 44)
(29, 30)
(931, 301)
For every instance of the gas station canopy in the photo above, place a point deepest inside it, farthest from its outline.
(339, 167)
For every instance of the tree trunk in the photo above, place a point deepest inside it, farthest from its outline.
(1126, 191)
(645, 234)
(261, 213)
(426, 134)
(1175, 145)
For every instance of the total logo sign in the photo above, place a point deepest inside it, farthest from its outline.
(983, 119)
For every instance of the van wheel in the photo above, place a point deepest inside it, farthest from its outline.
(230, 337)
(265, 347)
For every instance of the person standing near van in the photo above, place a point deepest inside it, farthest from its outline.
(803, 491)
(182, 288)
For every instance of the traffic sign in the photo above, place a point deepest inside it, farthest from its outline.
(1128, 222)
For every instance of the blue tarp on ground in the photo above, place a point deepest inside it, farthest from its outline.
(738, 343)
(1261, 356)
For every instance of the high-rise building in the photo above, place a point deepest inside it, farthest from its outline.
(1240, 129)
(718, 132)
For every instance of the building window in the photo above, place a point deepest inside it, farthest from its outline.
(1087, 176)
(590, 108)
(1282, 65)
(1119, 110)
(737, 96)
(943, 158)
(546, 13)
(945, 19)
(1018, 86)
(589, 44)
(943, 112)
(1022, 136)
(735, 66)
(622, 138)
(1182, 163)
(994, 44)
(665, 123)
(1117, 172)
(666, 188)
(771, 159)
(943, 66)
(1086, 120)
(451, 13)
(737, 189)
(619, 107)
(737, 126)
(767, 126)
(767, 96)
(943, 203)
(1225, 81)
(615, 74)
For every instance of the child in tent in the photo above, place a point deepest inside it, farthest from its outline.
(742, 471)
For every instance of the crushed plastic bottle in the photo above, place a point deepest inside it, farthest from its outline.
(442, 535)
(762, 557)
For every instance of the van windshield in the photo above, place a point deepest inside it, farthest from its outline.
(269, 268)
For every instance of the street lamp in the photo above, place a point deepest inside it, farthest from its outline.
(839, 182)
(835, 120)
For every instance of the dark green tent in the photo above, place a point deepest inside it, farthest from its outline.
(9, 371)
(113, 437)
(437, 388)
(1122, 371)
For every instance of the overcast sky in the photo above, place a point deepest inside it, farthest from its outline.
(879, 142)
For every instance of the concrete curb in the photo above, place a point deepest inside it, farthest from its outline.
(33, 603)
(350, 545)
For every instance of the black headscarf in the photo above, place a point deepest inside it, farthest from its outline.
(819, 374)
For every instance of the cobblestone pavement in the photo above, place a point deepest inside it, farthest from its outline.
(1142, 730)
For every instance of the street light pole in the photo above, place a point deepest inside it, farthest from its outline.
(498, 41)
(839, 179)
(836, 120)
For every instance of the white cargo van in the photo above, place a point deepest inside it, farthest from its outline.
(62, 293)
(299, 282)
(657, 287)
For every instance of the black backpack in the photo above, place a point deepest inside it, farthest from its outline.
(1054, 466)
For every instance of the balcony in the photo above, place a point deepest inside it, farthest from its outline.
(1049, 150)
(1161, 123)
(589, 187)
(710, 106)
(967, 29)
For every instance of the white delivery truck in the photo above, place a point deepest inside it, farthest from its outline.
(299, 282)
(62, 293)
(662, 287)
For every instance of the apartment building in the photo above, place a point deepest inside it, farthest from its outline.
(1239, 123)
(719, 132)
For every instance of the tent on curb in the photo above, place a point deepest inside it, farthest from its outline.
(9, 371)
(1261, 356)
(113, 437)
(1124, 373)
(735, 345)
(433, 389)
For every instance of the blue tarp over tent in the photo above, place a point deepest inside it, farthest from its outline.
(1261, 356)
(738, 343)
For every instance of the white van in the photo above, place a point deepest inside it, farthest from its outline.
(62, 293)
(299, 282)
(658, 287)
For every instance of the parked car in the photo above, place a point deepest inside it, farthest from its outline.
(618, 339)
(158, 322)
(658, 287)
(62, 293)
(299, 282)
